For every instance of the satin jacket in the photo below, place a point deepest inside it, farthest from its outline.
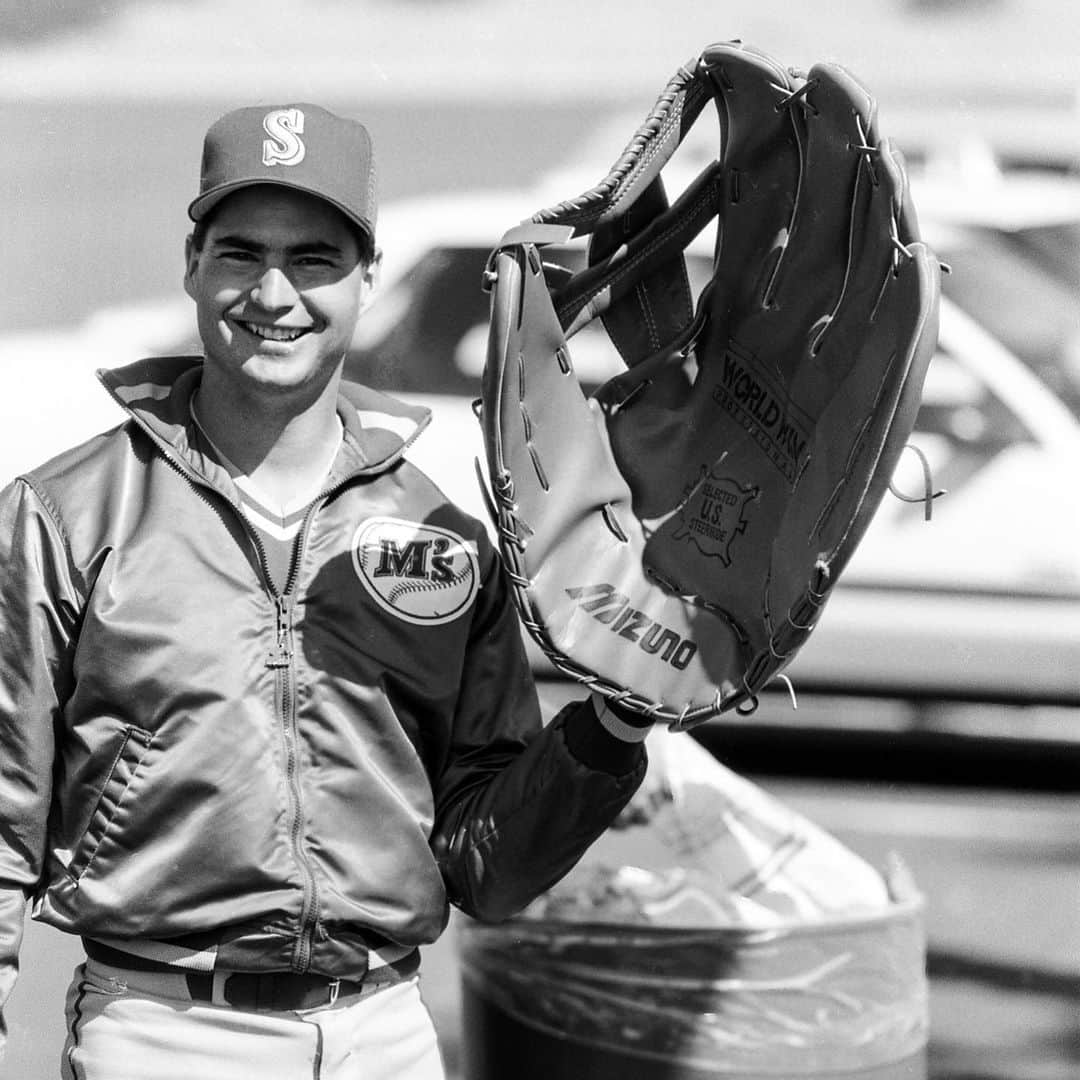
(302, 776)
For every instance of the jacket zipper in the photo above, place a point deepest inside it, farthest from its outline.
(282, 660)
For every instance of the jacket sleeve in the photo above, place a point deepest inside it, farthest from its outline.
(38, 619)
(516, 808)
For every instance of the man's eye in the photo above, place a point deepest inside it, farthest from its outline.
(236, 255)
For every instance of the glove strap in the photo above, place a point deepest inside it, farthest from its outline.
(529, 232)
(645, 155)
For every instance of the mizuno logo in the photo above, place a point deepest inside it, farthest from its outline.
(612, 608)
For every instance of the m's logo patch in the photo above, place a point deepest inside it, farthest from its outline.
(284, 146)
(420, 573)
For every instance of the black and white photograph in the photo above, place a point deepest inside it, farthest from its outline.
(540, 541)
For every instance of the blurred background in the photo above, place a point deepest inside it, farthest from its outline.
(939, 701)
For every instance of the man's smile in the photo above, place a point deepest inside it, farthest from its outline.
(272, 333)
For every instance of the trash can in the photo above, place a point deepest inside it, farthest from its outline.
(835, 999)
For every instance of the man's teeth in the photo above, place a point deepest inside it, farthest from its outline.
(273, 333)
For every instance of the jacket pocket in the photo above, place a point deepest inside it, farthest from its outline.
(130, 753)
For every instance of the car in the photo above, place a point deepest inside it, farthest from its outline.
(983, 601)
(1011, 240)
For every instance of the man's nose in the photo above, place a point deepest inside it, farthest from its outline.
(274, 290)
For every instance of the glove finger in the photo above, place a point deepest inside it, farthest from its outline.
(880, 289)
(907, 220)
(539, 403)
(834, 118)
(761, 159)
(871, 363)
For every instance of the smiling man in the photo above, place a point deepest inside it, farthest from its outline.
(265, 711)
(279, 279)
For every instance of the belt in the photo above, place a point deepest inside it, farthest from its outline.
(263, 991)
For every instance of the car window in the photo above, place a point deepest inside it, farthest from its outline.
(1057, 247)
(1024, 287)
(959, 407)
(410, 338)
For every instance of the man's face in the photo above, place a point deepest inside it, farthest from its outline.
(278, 285)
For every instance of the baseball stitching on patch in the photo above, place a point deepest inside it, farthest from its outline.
(407, 587)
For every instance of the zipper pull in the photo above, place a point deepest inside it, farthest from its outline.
(283, 651)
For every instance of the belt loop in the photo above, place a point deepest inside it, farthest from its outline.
(217, 990)
(335, 989)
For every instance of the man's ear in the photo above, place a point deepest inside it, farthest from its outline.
(372, 278)
(191, 261)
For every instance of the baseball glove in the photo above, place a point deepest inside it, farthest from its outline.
(672, 539)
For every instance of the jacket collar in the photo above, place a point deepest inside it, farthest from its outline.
(156, 393)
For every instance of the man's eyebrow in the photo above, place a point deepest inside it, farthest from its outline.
(234, 241)
(316, 247)
(307, 247)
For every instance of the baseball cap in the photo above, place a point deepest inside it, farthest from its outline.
(300, 146)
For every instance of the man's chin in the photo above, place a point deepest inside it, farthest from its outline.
(285, 371)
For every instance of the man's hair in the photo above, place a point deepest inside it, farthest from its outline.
(364, 242)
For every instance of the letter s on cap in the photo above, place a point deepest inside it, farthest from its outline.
(284, 147)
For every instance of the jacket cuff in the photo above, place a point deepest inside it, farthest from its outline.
(596, 746)
(624, 724)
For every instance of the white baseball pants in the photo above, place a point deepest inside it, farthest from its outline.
(134, 1025)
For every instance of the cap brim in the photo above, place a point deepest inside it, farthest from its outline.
(201, 206)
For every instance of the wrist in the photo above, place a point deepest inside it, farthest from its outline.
(624, 724)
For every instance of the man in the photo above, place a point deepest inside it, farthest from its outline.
(264, 706)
